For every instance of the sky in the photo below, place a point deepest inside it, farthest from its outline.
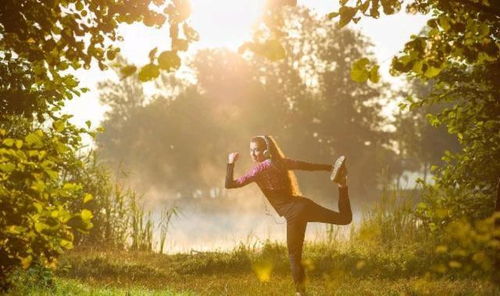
(228, 23)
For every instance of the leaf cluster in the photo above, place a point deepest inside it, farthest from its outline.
(36, 224)
(41, 40)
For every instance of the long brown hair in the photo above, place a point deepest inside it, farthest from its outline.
(277, 157)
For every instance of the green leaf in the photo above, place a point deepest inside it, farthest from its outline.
(7, 167)
(79, 6)
(127, 71)
(421, 205)
(417, 67)
(169, 60)
(66, 244)
(152, 54)
(59, 125)
(484, 30)
(374, 75)
(87, 197)
(61, 148)
(8, 142)
(432, 72)
(38, 186)
(149, 72)
(346, 15)
(359, 75)
(14, 229)
(333, 15)
(86, 215)
(52, 174)
(444, 22)
(19, 144)
(359, 72)
(363, 7)
(26, 261)
(38, 206)
(34, 139)
(39, 226)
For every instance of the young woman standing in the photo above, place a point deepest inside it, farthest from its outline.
(274, 175)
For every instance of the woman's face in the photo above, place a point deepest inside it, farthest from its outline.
(257, 152)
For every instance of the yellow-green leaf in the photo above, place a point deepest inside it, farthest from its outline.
(169, 60)
(38, 206)
(39, 226)
(346, 15)
(38, 186)
(86, 215)
(127, 71)
(8, 142)
(7, 167)
(88, 197)
(333, 15)
(432, 72)
(59, 125)
(149, 72)
(374, 75)
(66, 244)
(14, 229)
(33, 139)
(444, 22)
(26, 262)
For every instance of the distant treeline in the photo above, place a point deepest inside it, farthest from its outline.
(177, 140)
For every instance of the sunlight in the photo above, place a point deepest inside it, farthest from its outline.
(224, 23)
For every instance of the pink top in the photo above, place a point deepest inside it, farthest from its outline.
(272, 179)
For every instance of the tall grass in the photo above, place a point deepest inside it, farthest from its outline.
(120, 220)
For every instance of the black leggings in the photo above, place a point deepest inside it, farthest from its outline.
(305, 210)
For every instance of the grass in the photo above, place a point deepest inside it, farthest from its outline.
(242, 272)
(386, 254)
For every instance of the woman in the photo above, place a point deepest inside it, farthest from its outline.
(274, 176)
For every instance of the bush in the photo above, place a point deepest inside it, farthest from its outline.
(36, 224)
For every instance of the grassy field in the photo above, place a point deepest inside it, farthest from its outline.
(387, 253)
(331, 271)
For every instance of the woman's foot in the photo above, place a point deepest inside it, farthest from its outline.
(339, 171)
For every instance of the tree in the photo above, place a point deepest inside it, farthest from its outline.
(459, 51)
(332, 115)
(420, 143)
(178, 143)
(42, 39)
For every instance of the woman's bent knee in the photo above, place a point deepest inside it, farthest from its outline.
(346, 219)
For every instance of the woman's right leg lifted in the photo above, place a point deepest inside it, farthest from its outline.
(317, 213)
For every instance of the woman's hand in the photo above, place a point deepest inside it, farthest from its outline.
(233, 157)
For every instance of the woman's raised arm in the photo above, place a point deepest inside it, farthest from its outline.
(248, 178)
(291, 164)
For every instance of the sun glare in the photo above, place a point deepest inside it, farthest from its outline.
(224, 23)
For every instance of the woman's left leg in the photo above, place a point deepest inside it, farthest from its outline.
(295, 232)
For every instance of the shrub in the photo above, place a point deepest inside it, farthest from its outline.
(36, 224)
